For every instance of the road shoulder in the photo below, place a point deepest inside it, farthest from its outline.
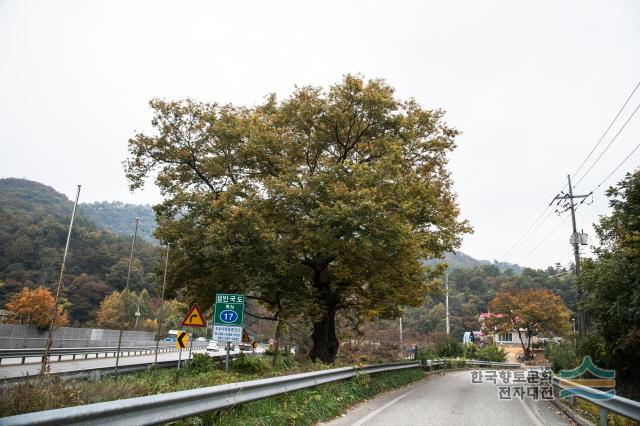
(367, 406)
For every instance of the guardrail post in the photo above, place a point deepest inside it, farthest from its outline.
(603, 417)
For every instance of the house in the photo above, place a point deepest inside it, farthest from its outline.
(504, 338)
(473, 337)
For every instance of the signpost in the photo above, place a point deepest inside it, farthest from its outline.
(194, 319)
(182, 338)
(228, 318)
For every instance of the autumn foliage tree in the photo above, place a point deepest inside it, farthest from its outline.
(322, 203)
(34, 307)
(528, 312)
(110, 312)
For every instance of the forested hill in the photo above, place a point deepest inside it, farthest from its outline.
(118, 217)
(34, 221)
(461, 260)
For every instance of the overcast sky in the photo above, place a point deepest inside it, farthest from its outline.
(532, 86)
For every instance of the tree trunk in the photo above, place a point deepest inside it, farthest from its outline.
(524, 348)
(276, 344)
(325, 342)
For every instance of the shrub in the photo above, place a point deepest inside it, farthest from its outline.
(562, 355)
(286, 362)
(448, 347)
(568, 354)
(200, 363)
(444, 347)
(492, 353)
(471, 351)
(249, 364)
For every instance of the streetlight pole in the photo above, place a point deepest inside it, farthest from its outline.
(164, 283)
(137, 314)
(124, 295)
(400, 335)
(54, 310)
(446, 300)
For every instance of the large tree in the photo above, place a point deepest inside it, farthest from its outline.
(612, 281)
(528, 312)
(320, 203)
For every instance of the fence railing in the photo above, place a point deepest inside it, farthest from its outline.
(163, 408)
(23, 354)
(604, 401)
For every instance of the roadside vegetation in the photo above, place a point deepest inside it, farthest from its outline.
(302, 407)
(309, 406)
(52, 393)
(450, 347)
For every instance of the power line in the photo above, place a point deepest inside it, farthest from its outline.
(606, 131)
(537, 223)
(509, 251)
(544, 240)
(608, 146)
(614, 170)
(529, 233)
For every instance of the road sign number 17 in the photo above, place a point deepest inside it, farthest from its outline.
(228, 316)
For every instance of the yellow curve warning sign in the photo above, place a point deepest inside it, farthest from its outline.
(194, 318)
(182, 338)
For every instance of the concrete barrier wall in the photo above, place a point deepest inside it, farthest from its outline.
(14, 336)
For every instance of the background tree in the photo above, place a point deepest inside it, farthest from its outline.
(321, 203)
(110, 313)
(33, 307)
(529, 312)
(87, 293)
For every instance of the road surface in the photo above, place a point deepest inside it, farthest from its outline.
(18, 370)
(451, 399)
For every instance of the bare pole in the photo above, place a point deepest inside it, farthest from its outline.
(164, 283)
(446, 300)
(54, 309)
(400, 323)
(124, 295)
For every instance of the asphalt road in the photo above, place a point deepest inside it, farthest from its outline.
(451, 399)
(19, 370)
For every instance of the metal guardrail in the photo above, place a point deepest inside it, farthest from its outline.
(23, 354)
(616, 404)
(474, 362)
(163, 408)
(96, 373)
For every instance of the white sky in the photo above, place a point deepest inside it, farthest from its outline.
(531, 84)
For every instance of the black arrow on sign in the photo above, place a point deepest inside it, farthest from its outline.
(180, 342)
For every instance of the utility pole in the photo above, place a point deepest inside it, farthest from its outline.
(124, 295)
(137, 314)
(54, 310)
(446, 299)
(576, 240)
(400, 335)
